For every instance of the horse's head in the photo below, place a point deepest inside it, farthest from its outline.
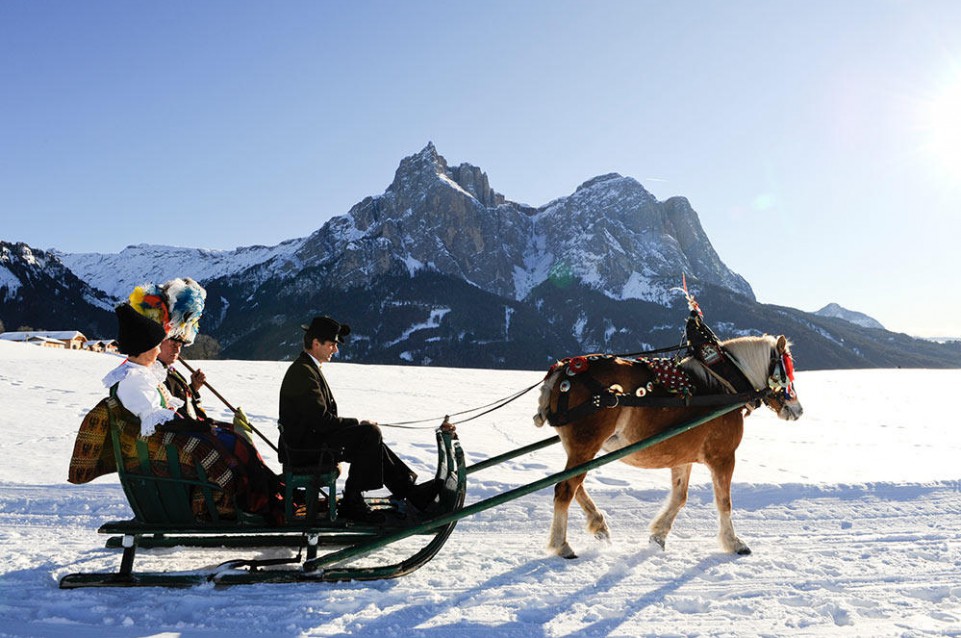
(767, 363)
(782, 397)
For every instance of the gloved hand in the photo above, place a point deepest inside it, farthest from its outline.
(242, 425)
(197, 380)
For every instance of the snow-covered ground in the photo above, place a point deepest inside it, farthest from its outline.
(853, 514)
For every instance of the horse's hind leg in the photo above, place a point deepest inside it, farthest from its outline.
(721, 472)
(661, 525)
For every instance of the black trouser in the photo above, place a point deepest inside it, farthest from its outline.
(372, 464)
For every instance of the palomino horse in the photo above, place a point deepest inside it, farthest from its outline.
(764, 361)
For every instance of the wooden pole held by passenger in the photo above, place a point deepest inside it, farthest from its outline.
(229, 407)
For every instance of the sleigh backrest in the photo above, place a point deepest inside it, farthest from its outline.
(156, 499)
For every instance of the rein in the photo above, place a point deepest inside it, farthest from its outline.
(487, 409)
(644, 353)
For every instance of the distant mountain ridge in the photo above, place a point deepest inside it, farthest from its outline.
(37, 290)
(442, 269)
(118, 273)
(858, 318)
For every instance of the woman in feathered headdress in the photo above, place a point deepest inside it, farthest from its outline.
(149, 389)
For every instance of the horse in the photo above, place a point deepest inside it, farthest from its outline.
(764, 361)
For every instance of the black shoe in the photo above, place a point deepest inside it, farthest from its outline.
(423, 496)
(357, 509)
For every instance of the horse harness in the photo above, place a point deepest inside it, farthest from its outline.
(670, 385)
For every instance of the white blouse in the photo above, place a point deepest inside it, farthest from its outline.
(142, 391)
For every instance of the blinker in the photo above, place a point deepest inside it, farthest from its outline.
(782, 376)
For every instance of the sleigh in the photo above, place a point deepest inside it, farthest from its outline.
(326, 547)
(576, 391)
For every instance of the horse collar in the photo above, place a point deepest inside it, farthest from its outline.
(707, 349)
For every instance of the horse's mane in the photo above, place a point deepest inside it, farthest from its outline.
(752, 353)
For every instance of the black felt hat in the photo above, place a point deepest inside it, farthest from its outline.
(136, 333)
(326, 329)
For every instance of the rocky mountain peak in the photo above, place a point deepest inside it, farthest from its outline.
(22, 253)
(611, 234)
(429, 169)
(600, 179)
(473, 180)
(428, 160)
(418, 172)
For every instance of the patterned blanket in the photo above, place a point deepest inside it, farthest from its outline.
(93, 456)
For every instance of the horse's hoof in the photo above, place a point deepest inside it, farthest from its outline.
(657, 542)
(744, 551)
(564, 551)
(603, 536)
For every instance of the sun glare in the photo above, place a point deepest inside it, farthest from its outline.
(941, 122)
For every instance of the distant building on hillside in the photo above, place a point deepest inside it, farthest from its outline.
(69, 339)
(46, 342)
(101, 345)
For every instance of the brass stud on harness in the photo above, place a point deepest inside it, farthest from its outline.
(564, 386)
(640, 392)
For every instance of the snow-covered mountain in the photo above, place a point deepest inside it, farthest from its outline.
(37, 290)
(858, 318)
(442, 269)
(610, 235)
(118, 273)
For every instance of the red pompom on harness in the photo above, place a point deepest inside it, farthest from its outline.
(788, 362)
(577, 365)
(787, 365)
(574, 365)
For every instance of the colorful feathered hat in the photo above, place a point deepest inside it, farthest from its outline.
(176, 305)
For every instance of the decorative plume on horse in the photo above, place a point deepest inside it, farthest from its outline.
(606, 402)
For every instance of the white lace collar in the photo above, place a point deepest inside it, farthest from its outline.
(118, 374)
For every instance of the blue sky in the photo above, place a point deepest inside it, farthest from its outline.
(820, 142)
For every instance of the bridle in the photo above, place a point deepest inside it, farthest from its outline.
(780, 380)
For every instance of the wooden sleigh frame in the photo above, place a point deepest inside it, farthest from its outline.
(164, 517)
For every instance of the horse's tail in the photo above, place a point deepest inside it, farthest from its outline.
(544, 402)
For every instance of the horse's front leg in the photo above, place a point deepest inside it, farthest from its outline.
(596, 524)
(661, 525)
(721, 473)
(578, 452)
(563, 495)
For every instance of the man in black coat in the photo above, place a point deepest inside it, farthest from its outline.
(309, 421)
